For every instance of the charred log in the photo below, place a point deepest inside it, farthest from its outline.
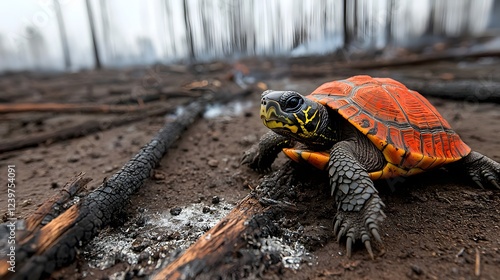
(56, 243)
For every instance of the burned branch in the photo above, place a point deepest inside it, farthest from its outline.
(55, 244)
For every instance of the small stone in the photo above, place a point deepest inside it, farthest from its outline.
(213, 162)
(416, 269)
(31, 159)
(107, 169)
(94, 155)
(206, 209)
(174, 236)
(215, 200)
(159, 176)
(175, 211)
(26, 202)
(141, 221)
(73, 158)
(139, 245)
(54, 185)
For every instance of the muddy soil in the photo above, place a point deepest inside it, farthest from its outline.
(438, 226)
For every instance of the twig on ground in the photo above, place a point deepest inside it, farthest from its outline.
(67, 108)
(477, 266)
(79, 130)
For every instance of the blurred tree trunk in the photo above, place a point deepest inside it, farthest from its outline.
(97, 57)
(189, 32)
(62, 33)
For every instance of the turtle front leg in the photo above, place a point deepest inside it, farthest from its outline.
(359, 207)
(481, 169)
(261, 155)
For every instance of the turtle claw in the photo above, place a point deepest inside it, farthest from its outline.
(261, 155)
(368, 247)
(478, 182)
(492, 178)
(494, 183)
(483, 170)
(359, 225)
(336, 227)
(349, 243)
(376, 235)
(341, 233)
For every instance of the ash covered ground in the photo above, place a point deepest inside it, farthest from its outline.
(437, 224)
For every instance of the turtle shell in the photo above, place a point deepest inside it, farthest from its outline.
(409, 131)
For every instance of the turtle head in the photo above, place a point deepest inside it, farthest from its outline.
(290, 114)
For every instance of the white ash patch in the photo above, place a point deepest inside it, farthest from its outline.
(191, 217)
(234, 108)
(150, 237)
(292, 255)
(106, 250)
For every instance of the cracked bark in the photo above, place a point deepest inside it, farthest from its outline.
(56, 243)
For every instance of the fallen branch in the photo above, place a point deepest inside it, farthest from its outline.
(162, 94)
(477, 265)
(79, 130)
(67, 108)
(467, 90)
(318, 66)
(421, 59)
(55, 244)
(470, 90)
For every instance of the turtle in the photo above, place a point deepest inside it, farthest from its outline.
(359, 130)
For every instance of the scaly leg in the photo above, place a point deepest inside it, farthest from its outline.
(359, 207)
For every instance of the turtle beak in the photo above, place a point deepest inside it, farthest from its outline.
(271, 114)
(270, 109)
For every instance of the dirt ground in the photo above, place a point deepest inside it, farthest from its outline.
(438, 225)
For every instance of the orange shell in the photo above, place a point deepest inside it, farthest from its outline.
(410, 132)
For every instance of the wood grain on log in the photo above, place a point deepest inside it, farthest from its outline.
(215, 245)
(47, 211)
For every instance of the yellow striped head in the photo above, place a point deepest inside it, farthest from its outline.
(290, 114)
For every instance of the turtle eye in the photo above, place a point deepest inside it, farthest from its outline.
(293, 104)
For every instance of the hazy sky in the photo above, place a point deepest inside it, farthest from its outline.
(130, 20)
(17, 16)
(149, 31)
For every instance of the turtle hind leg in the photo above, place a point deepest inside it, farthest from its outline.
(359, 207)
(482, 170)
